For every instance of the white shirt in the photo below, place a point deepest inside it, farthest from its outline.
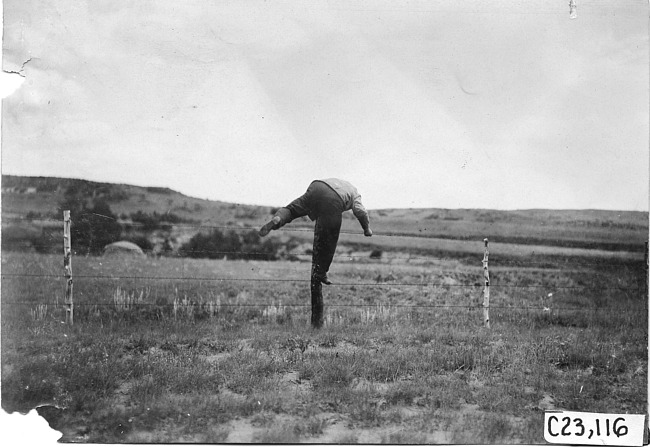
(351, 198)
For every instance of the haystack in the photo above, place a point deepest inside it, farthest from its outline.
(123, 248)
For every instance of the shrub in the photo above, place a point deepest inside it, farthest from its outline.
(216, 245)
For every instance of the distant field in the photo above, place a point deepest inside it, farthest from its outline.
(464, 248)
(177, 350)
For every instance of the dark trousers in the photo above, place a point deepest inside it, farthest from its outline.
(322, 204)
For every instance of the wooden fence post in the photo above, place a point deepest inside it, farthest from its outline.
(647, 266)
(486, 289)
(316, 299)
(67, 265)
(647, 300)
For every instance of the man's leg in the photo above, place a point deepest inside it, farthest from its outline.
(300, 207)
(326, 236)
(281, 218)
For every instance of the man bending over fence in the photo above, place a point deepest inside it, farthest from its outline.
(325, 202)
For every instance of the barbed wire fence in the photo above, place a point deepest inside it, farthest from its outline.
(317, 308)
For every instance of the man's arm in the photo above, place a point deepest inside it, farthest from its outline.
(361, 214)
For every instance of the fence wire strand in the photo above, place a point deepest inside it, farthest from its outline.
(382, 259)
(351, 284)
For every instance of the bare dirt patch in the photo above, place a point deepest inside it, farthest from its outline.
(291, 381)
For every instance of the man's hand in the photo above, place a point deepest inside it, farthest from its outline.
(367, 232)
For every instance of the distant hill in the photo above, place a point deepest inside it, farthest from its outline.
(39, 197)
(42, 195)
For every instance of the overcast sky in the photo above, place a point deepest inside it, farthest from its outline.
(472, 104)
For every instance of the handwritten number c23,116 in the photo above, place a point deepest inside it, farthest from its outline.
(616, 429)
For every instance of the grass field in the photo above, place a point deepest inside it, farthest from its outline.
(178, 350)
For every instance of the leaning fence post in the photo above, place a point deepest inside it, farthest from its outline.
(486, 289)
(67, 265)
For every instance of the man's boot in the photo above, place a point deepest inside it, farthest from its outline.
(281, 218)
(272, 224)
(322, 277)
